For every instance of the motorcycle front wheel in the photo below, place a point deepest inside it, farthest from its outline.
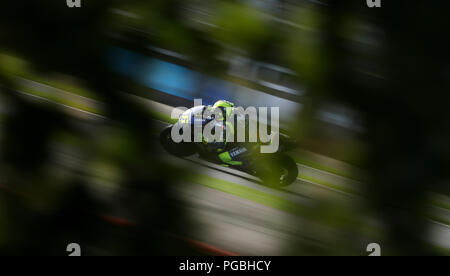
(181, 149)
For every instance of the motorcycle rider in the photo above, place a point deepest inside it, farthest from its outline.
(210, 131)
(229, 153)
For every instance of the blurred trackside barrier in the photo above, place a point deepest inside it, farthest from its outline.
(179, 81)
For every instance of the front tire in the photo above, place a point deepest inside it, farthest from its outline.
(181, 149)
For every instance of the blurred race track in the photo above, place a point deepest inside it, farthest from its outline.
(246, 227)
(234, 213)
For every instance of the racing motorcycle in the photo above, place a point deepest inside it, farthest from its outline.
(273, 169)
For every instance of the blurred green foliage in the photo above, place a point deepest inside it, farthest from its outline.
(392, 68)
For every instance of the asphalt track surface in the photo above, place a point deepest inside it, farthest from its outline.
(242, 226)
(238, 225)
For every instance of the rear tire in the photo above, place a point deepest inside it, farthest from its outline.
(291, 169)
(277, 171)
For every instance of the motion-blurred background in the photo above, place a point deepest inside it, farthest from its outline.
(85, 91)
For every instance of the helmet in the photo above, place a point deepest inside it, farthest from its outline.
(224, 106)
(223, 103)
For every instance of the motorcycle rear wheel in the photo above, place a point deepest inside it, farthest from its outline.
(278, 171)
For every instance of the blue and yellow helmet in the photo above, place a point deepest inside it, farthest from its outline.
(225, 106)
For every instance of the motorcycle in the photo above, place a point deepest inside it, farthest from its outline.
(273, 169)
